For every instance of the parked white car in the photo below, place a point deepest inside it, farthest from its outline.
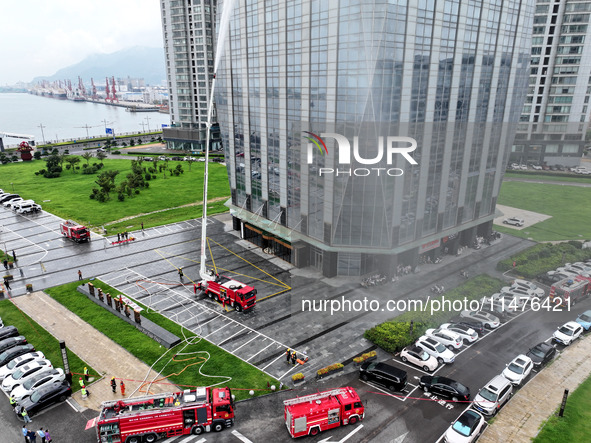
(518, 370)
(466, 429)
(418, 357)
(524, 284)
(463, 331)
(23, 373)
(41, 379)
(8, 204)
(523, 296)
(489, 320)
(13, 365)
(514, 221)
(568, 333)
(435, 349)
(446, 337)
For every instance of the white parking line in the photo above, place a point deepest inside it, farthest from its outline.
(389, 394)
(231, 336)
(241, 437)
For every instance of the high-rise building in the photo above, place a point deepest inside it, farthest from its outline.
(555, 117)
(312, 96)
(188, 28)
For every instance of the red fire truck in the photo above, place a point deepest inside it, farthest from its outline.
(314, 413)
(238, 296)
(73, 230)
(153, 417)
(569, 290)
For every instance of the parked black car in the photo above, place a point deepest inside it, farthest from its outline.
(11, 342)
(541, 354)
(445, 387)
(381, 373)
(43, 397)
(478, 326)
(15, 352)
(8, 331)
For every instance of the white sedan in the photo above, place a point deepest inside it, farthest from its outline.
(13, 365)
(466, 429)
(463, 331)
(418, 357)
(568, 333)
(518, 369)
(446, 337)
(23, 373)
(489, 320)
(42, 379)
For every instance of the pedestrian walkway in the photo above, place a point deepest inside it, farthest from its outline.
(522, 418)
(96, 349)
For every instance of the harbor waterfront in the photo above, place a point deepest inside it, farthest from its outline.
(52, 119)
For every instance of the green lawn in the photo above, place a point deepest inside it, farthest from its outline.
(568, 207)
(41, 339)
(68, 195)
(575, 426)
(198, 364)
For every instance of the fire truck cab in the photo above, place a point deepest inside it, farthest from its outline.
(238, 296)
(311, 414)
(74, 231)
(154, 417)
(570, 290)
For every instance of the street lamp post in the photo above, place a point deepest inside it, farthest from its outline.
(42, 134)
(143, 126)
(148, 120)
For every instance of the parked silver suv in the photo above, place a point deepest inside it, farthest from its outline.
(494, 395)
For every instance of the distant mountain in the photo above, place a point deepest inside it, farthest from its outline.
(138, 62)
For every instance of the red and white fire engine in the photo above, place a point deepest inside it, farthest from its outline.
(237, 295)
(314, 413)
(73, 230)
(154, 417)
(570, 290)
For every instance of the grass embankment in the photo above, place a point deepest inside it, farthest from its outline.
(199, 364)
(542, 258)
(395, 334)
(68, 195)
(41, 339)
(575, 425)
(567, 205)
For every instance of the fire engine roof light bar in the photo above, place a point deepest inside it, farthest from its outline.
(312, 397)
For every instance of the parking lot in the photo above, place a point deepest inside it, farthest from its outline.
(146, 269)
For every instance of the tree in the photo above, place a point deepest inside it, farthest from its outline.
(106, 183)
(101, 156)
(87, 156)
(72, 160)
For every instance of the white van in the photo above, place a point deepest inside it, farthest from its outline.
(27, 207)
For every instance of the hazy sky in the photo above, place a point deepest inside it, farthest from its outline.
(39, 37)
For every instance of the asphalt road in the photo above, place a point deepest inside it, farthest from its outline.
(146, 269)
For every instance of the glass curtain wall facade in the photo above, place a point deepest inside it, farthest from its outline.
(189, 37)
(555, 116)
(297, 75)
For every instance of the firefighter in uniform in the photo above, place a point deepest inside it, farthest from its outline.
(81, 382)
(85, 373)
(288, 355)
(113, 384)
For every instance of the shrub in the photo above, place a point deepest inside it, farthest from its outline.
(298, 376)
(121, 196)
(395, 334)
(148, 177)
